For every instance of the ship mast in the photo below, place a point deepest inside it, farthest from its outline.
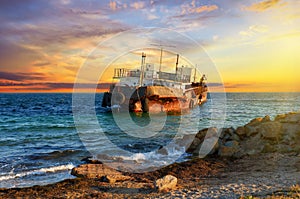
(142, 68)
(161, 53)
(176, 67)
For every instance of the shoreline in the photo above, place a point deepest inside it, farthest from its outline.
(241, 168)
(199, 178)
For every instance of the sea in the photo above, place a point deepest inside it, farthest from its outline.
(44, 135)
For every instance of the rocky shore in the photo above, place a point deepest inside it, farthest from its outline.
(260, 159)
(260, 135)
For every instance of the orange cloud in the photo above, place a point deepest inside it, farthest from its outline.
(200, 9)
(113, 5)
(138, 5)
(206, 8)
(262, 6)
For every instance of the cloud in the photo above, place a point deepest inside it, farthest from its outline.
(207, 8)
(113, 5)
(41, 63)
(21, 76)
(254, 30)
(191, 16)
(151, 16)
(138, 5)
(262, 6)
(65, 2)
(215, 84)
(187, 9)
(259, 28)
(50, 86)
(16, 57)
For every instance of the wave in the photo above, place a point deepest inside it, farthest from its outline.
(40, 171)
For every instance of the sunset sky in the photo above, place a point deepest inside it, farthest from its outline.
(254, 44)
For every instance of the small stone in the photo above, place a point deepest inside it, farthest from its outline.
(166, 183)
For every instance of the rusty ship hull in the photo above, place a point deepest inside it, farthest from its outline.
(155, 99)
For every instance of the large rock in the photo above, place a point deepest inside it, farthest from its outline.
(255, 121)
(266, 119)
(252, 126)
(260, 135)
(270, 130)
(291, 129)
(99, 171)
(210, 136)
(253, 145)
(240, 131)
(166, 183)
(288, 118)
(229, 149)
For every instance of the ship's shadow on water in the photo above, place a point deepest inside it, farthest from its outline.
(137, 144)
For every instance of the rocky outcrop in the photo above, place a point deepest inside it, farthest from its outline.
(260, 135)
(166, 183)
(99, 171)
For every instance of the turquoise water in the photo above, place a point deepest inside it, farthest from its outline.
(40, 144)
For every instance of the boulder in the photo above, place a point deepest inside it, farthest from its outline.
(255, 121)
(229, 149)
(99, 171)
(207, 133)
(227, 133)
(240, 131)
(288, 118)
(209, 137)
(235, 137)
(209, 146)
(195, 146)
(291, 129)
(201, 134)
(292, 118)
(269, 148)
(260, 135)
(251, 127)
(280, 117)
(250, 130)
(266, 119)
(270, 130)
(166, 183)
(185, 141)
(252, 145)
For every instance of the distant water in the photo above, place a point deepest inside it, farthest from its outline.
(39, 142)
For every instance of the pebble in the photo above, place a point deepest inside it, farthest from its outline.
(226, 191)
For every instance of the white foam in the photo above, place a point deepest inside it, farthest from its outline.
(13, 175)
(135, 157)
(155, 158)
